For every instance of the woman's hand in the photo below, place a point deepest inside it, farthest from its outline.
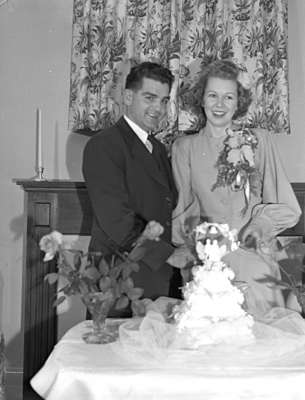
(252, 237)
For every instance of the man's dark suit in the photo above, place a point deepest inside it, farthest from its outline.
(129, 187)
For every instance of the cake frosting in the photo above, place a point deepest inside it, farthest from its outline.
(213, 311)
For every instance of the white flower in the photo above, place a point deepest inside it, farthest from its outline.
(234, 141)
(153, 230)
(234, 156)
(248, 154)
(50, 244)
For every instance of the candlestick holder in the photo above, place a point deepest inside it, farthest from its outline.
(39, 176)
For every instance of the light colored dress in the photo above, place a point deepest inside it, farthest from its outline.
(273, 207)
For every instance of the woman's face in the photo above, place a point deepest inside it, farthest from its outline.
(220, 102)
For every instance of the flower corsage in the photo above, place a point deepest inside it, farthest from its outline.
(236, 162)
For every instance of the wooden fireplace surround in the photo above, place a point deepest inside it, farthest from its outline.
(63, 206)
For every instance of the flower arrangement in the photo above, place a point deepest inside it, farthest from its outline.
(102, 284)
(296, 287)
(78, 273)
(236, 162)
(294, 256)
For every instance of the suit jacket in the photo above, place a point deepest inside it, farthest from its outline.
(129, 187)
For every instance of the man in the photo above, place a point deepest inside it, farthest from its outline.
(129, 179)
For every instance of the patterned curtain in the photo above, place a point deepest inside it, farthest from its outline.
(109, 36)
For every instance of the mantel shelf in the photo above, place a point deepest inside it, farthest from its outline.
(31, 184)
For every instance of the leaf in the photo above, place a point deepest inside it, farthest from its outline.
(83, 286)
(135, 267)
(135, 293)
(126, 285)
(122, 302)
(116, 291)
(63, 287)
(137, 253)
(113, 281)
(51, 278)
(65, 270)
(70, 290)
(118, 286)
(92, 273)
(103, 267)
(59, 300)
(138, 308)
(126, 271)
(275, 281)
(77, 261)
(104, 283)
(115, 271)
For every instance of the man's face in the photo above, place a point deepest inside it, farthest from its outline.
(147, 106)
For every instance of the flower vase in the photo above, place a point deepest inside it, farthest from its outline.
(98, 304)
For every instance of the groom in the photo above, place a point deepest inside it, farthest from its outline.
(129, 179)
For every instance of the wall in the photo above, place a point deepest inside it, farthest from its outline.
(35, 43)
(292, 147)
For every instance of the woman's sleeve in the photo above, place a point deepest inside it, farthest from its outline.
(187, 212)
(279, 209)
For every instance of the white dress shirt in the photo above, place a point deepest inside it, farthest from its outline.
(141, 133)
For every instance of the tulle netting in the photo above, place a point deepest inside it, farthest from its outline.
(279, 340)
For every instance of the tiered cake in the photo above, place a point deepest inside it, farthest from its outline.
(212, 311)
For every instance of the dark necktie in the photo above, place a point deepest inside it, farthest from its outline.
(149, 145)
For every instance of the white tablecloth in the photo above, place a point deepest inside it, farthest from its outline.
(79, 371)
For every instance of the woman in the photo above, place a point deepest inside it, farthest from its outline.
(232, 176)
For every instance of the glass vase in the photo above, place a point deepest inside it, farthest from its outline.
(98, 304)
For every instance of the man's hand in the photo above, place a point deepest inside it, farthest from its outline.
(181, 257)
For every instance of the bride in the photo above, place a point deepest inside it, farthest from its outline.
(234, 176)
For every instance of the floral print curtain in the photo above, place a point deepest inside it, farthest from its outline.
(109, 36)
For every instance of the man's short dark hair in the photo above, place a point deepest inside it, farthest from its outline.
(149, 70)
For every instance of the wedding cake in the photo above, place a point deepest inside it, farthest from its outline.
(212, 311)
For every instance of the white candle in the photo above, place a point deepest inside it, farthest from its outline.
(39, 139)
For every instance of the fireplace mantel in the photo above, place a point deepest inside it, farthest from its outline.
(49, 205)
